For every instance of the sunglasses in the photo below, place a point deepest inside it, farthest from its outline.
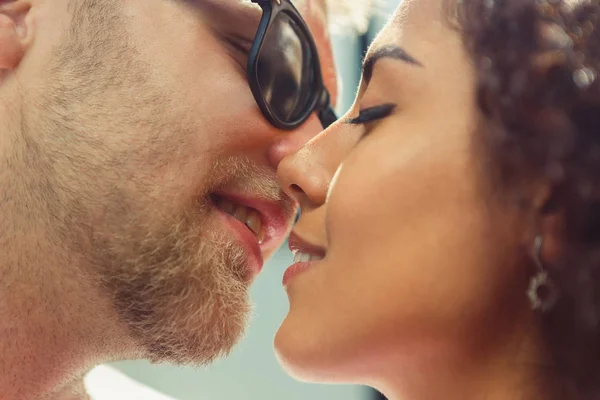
(284, 71)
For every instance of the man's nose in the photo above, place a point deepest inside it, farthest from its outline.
(290, 142)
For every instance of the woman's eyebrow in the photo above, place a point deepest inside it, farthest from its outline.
(389, 51)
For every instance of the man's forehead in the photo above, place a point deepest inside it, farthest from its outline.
(314, 12)
(299, 4)
(304, 6)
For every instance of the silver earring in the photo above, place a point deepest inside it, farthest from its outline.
(542, 292)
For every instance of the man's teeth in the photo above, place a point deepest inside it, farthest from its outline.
(300, 257)
(248, 216)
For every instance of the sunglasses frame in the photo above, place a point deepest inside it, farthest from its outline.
(321, 102)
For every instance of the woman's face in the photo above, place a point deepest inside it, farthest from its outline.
(420, 263)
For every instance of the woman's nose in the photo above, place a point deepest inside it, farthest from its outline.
(304, 177)
(306, 174)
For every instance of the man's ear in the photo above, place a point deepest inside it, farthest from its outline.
(15, 32)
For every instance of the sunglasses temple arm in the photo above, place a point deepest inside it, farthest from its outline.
(327, 117)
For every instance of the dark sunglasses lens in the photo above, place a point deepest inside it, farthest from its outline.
(286, 70)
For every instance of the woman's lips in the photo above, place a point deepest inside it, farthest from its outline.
(294, 271)
(306, 255)
(297, 244)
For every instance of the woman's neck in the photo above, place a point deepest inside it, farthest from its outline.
(518, 368)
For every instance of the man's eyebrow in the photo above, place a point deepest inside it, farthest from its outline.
(390, 51)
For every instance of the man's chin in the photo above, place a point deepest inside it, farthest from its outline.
(190, 337)
(182, 301)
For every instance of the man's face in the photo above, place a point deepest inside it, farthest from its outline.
(146, 148)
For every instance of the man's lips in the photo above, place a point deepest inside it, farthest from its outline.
(261, 225)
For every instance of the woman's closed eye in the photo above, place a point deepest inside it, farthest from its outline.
(372, 114)
(368, 116)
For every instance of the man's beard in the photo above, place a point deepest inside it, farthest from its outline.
(176, 280)
(180, 283)
(181, 290)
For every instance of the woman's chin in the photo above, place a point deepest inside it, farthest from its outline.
(307, 356)
(295, 355)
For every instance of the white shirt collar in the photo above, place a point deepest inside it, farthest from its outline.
(106, 383)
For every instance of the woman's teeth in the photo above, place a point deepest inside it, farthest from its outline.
(300, 257)
(246, 215)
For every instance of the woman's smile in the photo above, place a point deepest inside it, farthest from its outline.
(305, 257)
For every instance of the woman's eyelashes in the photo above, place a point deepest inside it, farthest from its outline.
(372, 114)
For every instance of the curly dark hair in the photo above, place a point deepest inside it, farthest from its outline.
(537, 62)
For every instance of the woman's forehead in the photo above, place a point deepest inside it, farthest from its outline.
(421, 21)
(423, 29)
(420, 12)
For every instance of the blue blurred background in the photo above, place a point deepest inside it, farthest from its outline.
(252, 372)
